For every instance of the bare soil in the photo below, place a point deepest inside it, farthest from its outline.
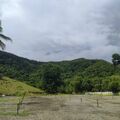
(69, 107)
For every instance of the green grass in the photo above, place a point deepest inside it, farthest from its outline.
(13, 87)
(23, 113)
(4, 99)
(8, 107)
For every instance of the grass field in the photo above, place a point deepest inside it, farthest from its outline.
(62, 107)
(13, 87)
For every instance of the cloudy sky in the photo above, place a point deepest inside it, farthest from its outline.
(50, 30)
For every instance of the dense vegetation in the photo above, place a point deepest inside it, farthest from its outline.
(77, 76)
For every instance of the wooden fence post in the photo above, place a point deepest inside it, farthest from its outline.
(97, 103)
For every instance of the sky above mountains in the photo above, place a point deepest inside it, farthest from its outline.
(53, 30)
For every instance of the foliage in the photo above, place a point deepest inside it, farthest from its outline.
(115, 60)
(76, 76)
(114, 85)
(3, 37)
(1, 75)
(52, 80)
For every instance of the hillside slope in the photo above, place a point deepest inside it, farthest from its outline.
(12, 87)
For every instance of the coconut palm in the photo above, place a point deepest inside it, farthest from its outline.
(3, 38)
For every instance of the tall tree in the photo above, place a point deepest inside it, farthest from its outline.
(3, 38)
(116, 59)
(52, 79)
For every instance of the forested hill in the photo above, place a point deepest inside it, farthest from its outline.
(30, 71)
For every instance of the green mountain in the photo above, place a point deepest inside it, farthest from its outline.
(30, 71)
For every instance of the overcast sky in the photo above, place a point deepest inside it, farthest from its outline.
(50, 30)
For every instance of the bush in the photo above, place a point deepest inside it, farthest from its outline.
(1, 75)
(115, 87)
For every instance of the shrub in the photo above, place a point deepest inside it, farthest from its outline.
(115, 87)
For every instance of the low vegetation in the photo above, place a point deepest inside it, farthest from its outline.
(13, 87)
(63, 107)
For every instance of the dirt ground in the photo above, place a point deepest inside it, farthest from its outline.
(69, 107)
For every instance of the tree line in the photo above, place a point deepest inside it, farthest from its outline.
(76, 76)
(53, 82)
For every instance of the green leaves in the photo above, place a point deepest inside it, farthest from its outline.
(67, 77)
(52, 78)
(3, 38)
(115, 87)
(2, 45)
(116, 56)
(116, 59)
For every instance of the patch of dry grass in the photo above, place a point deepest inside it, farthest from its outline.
(69, 107)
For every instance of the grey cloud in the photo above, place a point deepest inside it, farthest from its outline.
(111, 20)
(57, 30)
(53, 52)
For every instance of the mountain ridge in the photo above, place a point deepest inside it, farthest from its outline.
(30, 71)
(25, 58)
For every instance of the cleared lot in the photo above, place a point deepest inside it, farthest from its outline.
(62, 107)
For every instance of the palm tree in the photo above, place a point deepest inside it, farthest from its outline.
(3, 38)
